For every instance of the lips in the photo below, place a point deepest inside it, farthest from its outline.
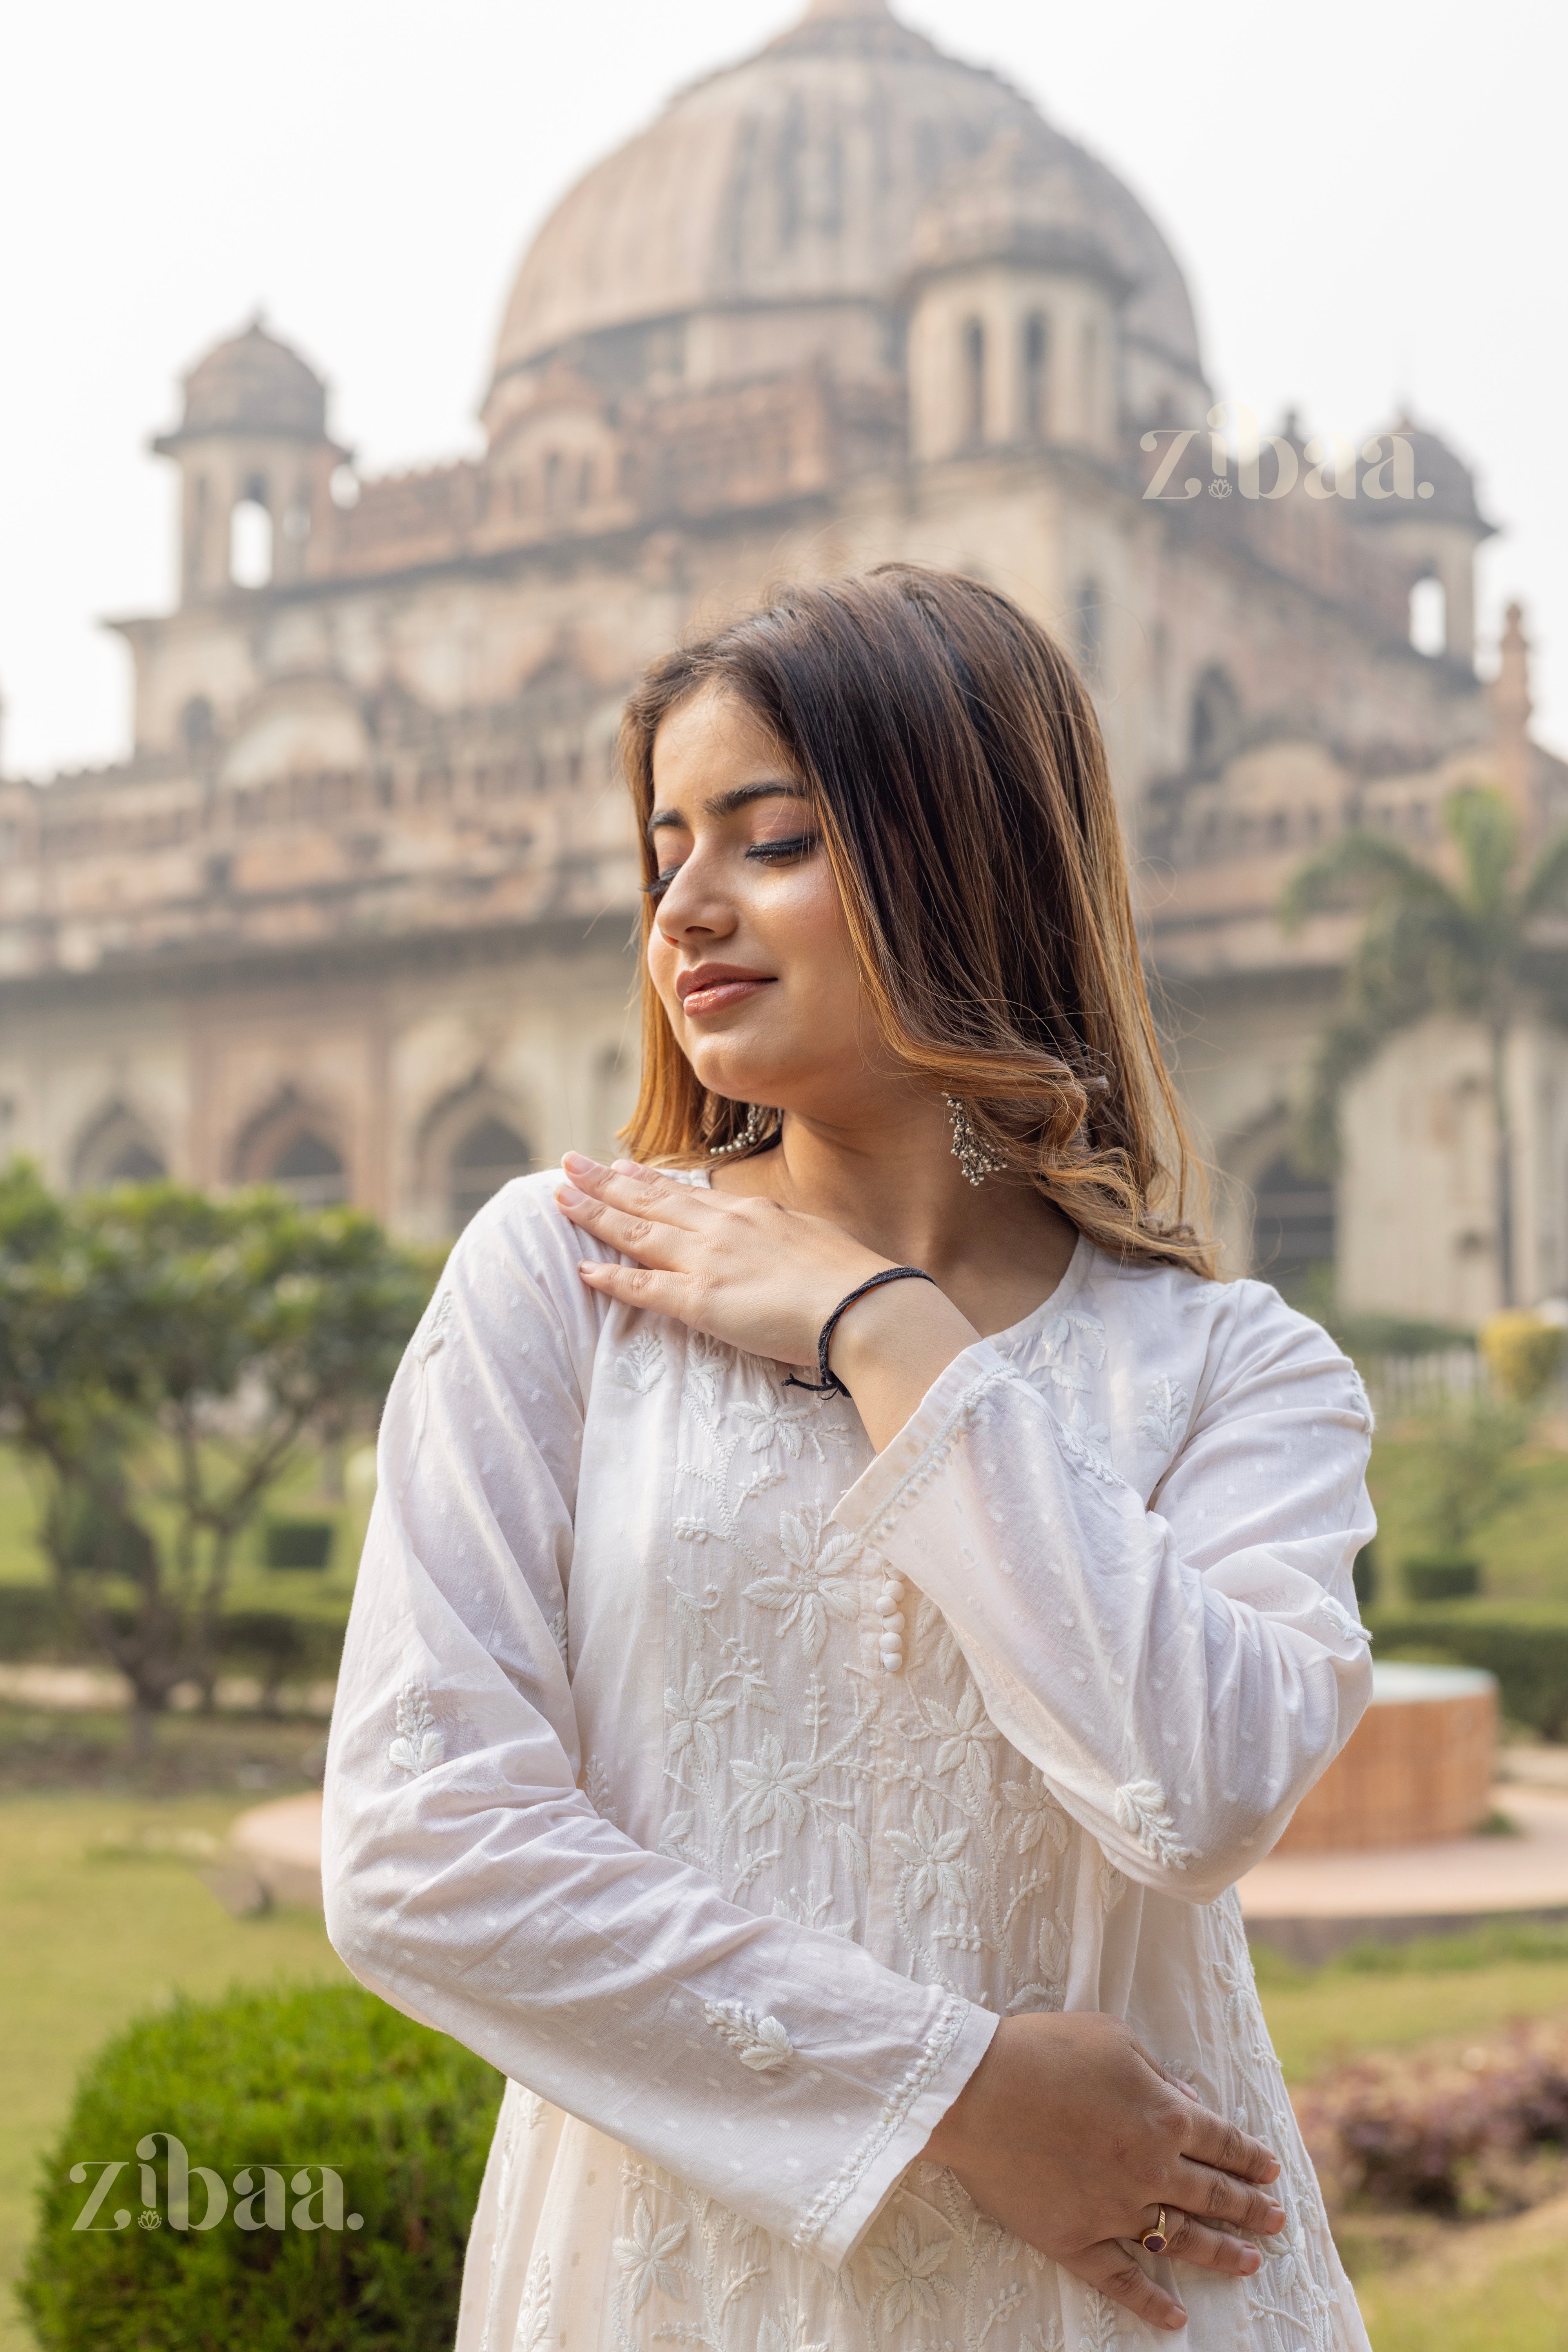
(713, 987)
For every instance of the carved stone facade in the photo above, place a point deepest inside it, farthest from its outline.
(355, 913)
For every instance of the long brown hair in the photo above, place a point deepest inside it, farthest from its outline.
(959, 779)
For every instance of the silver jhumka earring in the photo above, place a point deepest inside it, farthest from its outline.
(977, 1159)
(751, 1135)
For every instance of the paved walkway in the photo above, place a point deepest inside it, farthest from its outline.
(1310, 1904)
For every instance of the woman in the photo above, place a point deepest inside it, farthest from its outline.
(809, 1745)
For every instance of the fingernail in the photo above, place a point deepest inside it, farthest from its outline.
(1250, 2263)
(625, 1168)
(568, 1196)
(578, 1161)
(1276, 2218)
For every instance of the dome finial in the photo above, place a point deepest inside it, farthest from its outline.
(822, 8)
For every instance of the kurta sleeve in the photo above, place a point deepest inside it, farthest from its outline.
(1181, 1672)
(470, 1881)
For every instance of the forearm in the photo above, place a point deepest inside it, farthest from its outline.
(892, 1347)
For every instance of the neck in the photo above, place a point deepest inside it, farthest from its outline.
(893, 1184)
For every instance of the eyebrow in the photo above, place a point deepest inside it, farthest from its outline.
(724, 804)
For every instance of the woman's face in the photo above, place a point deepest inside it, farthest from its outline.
(749, 949)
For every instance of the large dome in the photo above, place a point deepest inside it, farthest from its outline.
(795, 178)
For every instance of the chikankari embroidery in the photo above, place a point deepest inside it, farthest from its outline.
(418, 1746)
(760, 2043)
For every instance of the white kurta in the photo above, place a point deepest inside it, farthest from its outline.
(622, 1794)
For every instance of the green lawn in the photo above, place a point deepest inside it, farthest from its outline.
(95, 1928)
(87, 1939)
(1523, 1551)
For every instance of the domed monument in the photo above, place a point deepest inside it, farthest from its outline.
(353, 914)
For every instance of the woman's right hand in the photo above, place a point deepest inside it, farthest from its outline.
(1069, 2136)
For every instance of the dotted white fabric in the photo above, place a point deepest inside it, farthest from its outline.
(723, 1784)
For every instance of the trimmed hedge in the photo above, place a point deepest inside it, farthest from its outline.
(36, 1623)
(297, 1543)
(1440, 1576)
(1523, 1643)
(318, 2075)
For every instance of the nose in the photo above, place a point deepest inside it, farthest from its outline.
(691, 908)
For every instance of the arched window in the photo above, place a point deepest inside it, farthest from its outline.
(1090, 379)
(586, 483)
(309, 1172)
(196, 723)
(1429, 617)
(134, 1165)
(489, 1156)
(1216, 719)
(117, 1148)
(1088, 625)
(250, 537)
(973, 381)
(1036, 375)
(1292, 1224)
(552, 481)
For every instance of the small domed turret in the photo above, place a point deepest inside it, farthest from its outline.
(253, 383)
(255, 459)
(1421, 499)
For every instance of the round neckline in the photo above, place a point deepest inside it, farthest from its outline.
(1074, 1275)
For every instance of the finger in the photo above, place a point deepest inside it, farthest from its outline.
(639, 1285)
(1209, 2139)
(639, 1237)
(1111, 2269)
(1191, 2241)
(1220, 2196)
(641, 1192)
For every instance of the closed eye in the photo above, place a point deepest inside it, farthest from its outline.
(772, 853)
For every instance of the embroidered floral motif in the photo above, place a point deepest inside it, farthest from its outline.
(596, 1788)
(1340, 1617)
(1164, 1415)
(1040, 1815)
(646, 2257)
(533, 2318)
(773, 1786)
(931, 1860)
(418, 1746)
(909, 2273)
(1098, 2333)
(558, 1635)
(760, 2043)
(693, 1717)
(1144, 1812)
(775, 1425)
(640, 1365)
(811, 1588)
(968, 1737)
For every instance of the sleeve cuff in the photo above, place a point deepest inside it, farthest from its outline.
(850, 2203)
(893, 1481)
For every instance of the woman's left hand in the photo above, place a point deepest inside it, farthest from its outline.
(766, 1279)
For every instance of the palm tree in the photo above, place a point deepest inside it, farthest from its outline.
(1466, 947)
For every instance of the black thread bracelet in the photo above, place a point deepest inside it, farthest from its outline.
(830, 1384)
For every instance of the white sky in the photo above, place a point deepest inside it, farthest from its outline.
(1367, 198)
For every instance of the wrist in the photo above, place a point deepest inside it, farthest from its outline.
(892, 1322)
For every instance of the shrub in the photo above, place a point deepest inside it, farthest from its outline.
(276, 1644)
(1364, 1576)
(299, 1543)
(1436, 1576)
(1524, 1354)
(1442, 2136)
(1524, 1644)
(318, 2074)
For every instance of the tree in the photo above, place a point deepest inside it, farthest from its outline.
(163, 1357)
(1469, 948)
